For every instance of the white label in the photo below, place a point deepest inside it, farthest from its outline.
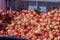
(42, 8)
(32, 7)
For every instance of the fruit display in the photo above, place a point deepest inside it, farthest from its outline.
(30, 25)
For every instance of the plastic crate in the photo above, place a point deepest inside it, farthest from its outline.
(11, 38)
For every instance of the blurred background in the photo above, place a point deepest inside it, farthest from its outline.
(42, 5)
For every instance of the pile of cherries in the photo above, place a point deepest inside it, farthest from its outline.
(30, 25)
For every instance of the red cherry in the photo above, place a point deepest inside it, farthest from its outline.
(46, 35)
